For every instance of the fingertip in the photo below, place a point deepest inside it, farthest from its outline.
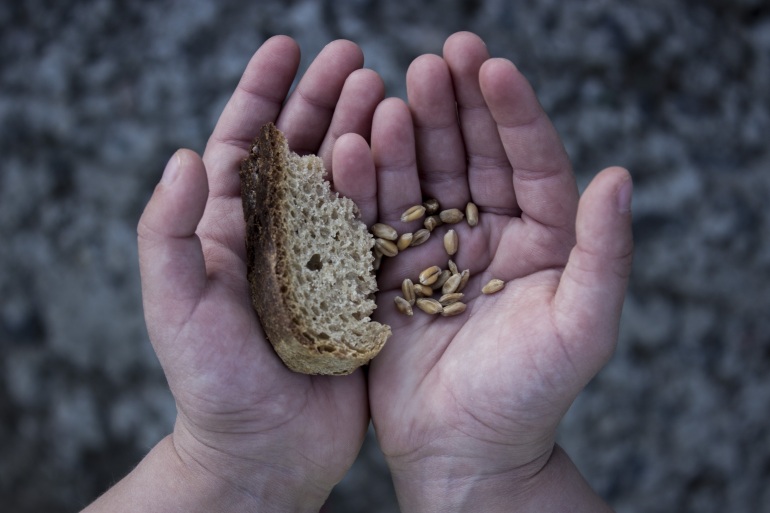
(279, 49)
(350, 142)
(177, 204)
(393, 134)
(349, 150)
(496, 65)
(354, 175)
(465, 53)
(371, 79)
(423, 71)
(171, 171)
(425, 58)
(611, 190)
(461, 35)
(508, 93)
(362, 92)
(625, 187)
(460, 41)
(348, 47)
(603, 220)
(192, 168)
(281, 39)
(392, 107)
(499, 79)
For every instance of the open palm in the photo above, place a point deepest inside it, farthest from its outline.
(242, 414)
(485, 390)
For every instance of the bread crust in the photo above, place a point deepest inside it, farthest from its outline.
(263, 206)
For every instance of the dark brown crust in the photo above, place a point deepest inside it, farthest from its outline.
(260, 173)
(257, 185)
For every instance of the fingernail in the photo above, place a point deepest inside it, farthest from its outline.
(625, 191)
(172, 169)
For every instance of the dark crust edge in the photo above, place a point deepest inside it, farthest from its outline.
(257, 185)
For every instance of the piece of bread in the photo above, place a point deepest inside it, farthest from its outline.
(309, 261)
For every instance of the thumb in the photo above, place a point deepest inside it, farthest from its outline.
(171, 261)
(590, 296)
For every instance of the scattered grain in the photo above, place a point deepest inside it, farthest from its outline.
(492, 286)
(431, 205)
(403, 306)
(450, 242)
(387, 247)
(453, 309)
(384, 231)
(451, 216)
(472, 214)
(420, 236)
(413, 213)
(430, 275)
(404, 241)
(429, 305)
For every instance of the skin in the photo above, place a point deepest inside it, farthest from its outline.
(465, 408)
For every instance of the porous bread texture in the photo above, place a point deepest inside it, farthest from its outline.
(309, 261)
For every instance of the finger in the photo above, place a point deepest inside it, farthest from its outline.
(398, 185)
(354, 175)
(439, 143)
(173, 271)
(256, 100)
(542, 175)
(308, 112)
(362, 92)
(489, 171)
(590, 295)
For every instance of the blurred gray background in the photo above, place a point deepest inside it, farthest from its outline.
(95, 95)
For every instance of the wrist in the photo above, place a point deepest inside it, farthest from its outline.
(459, 484)
(169, 480)
(244, 484)
(548, 483)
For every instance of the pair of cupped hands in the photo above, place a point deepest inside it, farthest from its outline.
(465, 409)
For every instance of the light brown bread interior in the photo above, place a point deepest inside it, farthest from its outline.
(309, 261)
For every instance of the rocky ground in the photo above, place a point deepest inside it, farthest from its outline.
(96, 94)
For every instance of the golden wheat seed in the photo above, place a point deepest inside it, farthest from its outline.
(464, 277)
(430, 275)
(432, 222)
(492, 286)
(413, 213)
(453, 309)
(384, 231)
(450, 242)
(387, 247)
(421, 290)
(377, 262)
(403, 306)
(431, 205)
(472, 214)
(442, 278)
(451, 216)
(453, 267)
(420, 236)
(407, 288)
(452, 284)
(452, 297)
(404, 241)
(429, 305)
